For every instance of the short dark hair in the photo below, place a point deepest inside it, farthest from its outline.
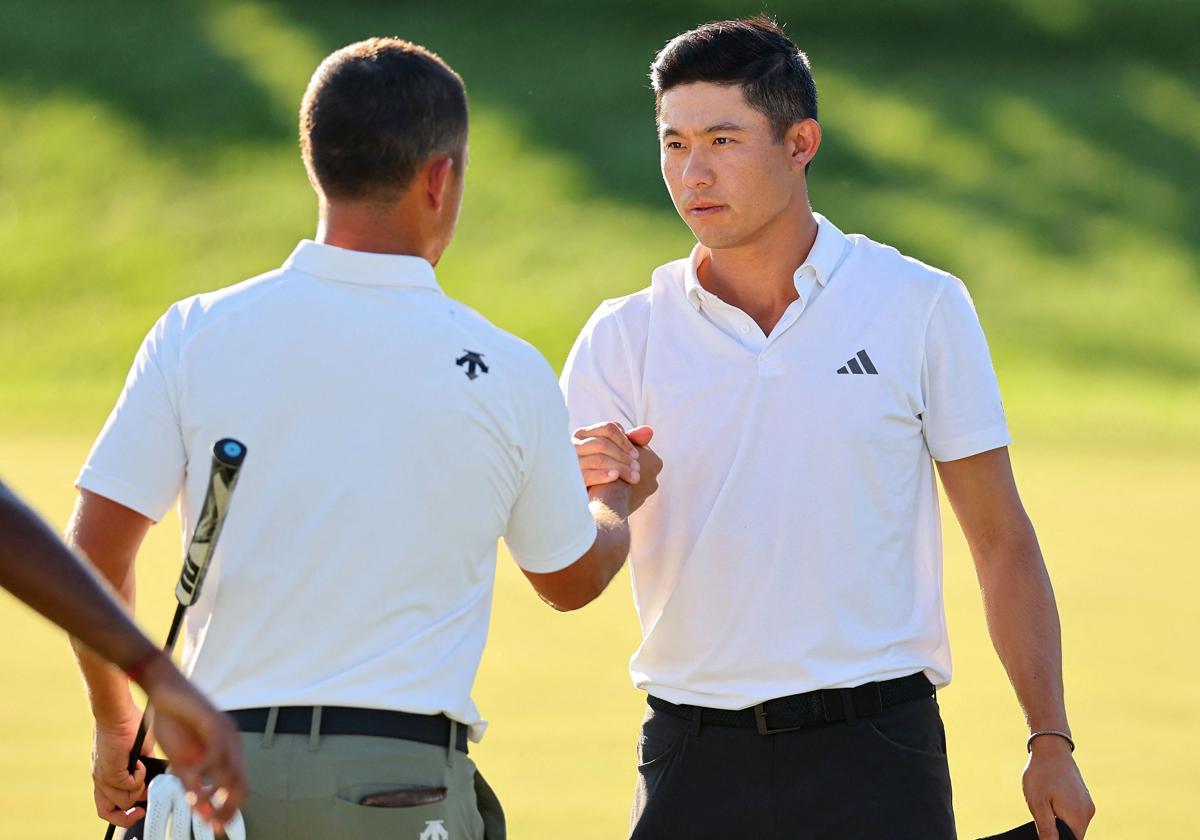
(376, 110)
(774, 74)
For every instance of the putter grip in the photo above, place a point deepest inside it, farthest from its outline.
(228, 456)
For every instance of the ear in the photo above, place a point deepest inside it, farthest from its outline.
(437, 177)
(804, 138)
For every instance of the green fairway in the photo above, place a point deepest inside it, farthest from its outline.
(1046, 152)
(564, 717)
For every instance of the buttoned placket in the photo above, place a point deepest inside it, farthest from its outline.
(747, 331)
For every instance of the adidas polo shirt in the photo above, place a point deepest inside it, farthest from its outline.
(794, 542)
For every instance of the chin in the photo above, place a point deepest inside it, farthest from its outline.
(718, 239)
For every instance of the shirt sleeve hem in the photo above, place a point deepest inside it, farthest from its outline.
(121, 493)
(965, 446)
(559, 560)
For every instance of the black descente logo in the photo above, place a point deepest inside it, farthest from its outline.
(473, 362)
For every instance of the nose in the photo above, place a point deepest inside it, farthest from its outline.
(697, 174)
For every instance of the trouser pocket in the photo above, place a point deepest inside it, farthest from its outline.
(438, 816)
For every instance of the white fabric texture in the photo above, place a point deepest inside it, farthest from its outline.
(169, 817)
(357, 562)
(794, 543)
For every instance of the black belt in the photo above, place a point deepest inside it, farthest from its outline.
(342, 720)
(812, 708)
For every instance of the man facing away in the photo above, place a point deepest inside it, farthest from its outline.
(787, 574)
(395, 435)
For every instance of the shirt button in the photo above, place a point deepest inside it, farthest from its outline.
(745, 328)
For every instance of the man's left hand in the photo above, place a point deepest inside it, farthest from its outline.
(1054, 788)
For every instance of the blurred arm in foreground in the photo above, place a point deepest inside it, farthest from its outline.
(199, 741)
(1022, 618)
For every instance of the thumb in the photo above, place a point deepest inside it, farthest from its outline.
(640, 436)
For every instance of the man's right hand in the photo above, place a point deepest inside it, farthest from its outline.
(115, 789)
(608, 453)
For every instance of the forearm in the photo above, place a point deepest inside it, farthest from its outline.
(582, 582)
(610, 508)
(39, 570)
(1023, 621)
(107, 685)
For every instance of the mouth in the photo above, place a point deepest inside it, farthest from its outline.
(703, 209)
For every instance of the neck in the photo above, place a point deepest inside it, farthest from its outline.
(758, 276)
(374, 229)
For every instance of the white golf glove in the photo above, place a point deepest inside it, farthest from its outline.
(169, 817)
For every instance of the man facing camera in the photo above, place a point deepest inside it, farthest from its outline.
(801, 384)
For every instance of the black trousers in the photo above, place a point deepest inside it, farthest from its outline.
(884, 776)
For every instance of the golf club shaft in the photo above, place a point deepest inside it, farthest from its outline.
(136, 751)
(228, 455)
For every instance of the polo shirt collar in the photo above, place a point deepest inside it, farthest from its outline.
(360, 267)
(823, 260)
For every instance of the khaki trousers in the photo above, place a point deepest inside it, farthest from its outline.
(310, 787)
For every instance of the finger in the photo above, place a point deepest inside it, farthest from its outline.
(593, 478)
(225, 806)
(612, 431)
(603, 463)
(1043, 817)
(625, 453)
(116, 797)
(641, 436)
(118, 816)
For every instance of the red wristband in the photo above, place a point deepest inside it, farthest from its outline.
(137, 670)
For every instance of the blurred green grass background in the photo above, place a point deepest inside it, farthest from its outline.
(1046, 152)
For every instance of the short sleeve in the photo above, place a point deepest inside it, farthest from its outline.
(550, 525)
(139, 459)
(596, 380)
(963, 413)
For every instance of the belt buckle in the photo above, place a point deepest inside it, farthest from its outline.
(760, 723)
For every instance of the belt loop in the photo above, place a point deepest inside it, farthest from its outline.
(314, 730)
(848, 705)
(697, 719)
(268, 738)
(452, 744)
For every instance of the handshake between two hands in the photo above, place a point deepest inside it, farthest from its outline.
(608, 454)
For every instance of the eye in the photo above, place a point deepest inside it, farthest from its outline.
(674, 145)
(723, 141)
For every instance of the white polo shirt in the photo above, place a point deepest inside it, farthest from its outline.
(356, 565)
(794, 541)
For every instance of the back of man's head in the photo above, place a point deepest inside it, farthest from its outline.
(374, 112)
(774, 74)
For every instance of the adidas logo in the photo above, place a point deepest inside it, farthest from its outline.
(853, 365)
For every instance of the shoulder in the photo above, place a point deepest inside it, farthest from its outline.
(518, 361)
(886, 266)
(193, 313)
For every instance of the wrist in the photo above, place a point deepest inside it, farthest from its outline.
(1050, 742)
(616, 497)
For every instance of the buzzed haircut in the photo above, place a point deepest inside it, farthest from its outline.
(775, 76)
(376, 110)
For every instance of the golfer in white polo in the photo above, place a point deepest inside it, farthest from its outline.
(394, 436)
(800, 384)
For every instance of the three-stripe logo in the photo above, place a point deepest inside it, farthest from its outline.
(853, 365)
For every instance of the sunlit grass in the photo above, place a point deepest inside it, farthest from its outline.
(149, 153)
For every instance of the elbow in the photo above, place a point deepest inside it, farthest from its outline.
(573, 599)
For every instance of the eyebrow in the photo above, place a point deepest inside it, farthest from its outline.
(668, 131)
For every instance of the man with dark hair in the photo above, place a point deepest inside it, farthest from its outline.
(199, 741)
(397, 435)
(800, 383)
